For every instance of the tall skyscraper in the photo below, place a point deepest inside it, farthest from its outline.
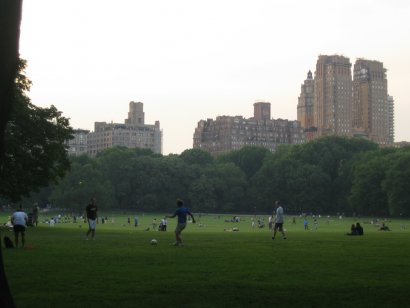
(372, 114)
(333, 96)
(305, 107)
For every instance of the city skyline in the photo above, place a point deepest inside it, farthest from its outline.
(188, 61)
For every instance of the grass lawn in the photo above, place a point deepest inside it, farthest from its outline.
(215, 268)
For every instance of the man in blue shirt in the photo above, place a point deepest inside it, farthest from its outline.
(182, 213)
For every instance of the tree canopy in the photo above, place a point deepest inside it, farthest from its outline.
(35, 144)
(324, 176)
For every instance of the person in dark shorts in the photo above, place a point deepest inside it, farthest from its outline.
(92, 218)
(279, 219)
(182, 213)
(19, 220)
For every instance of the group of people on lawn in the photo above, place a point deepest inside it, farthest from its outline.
(19, 222)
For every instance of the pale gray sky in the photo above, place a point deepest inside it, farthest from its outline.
(188, 60)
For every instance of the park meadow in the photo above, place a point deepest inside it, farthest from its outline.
(217, 267)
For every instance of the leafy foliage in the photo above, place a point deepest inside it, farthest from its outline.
(35, 144)
(325, 176)
(397, 184)
(196, 156)
(248, 158)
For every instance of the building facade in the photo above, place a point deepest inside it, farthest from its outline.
(227, 133)
(305, 107)
(401, 144)
(333, 96)
(134, 133)
(78, 145)
(390, 102)
(358, 107)
(372, 115)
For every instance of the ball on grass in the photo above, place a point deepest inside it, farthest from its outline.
(154, 241)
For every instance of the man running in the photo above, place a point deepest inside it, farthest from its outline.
(182, 213)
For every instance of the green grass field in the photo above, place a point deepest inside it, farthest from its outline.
(215, 268)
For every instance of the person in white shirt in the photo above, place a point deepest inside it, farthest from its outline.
(19, 220)
(164, 224)
(279, 219)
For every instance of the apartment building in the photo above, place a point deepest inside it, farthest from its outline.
(133, 133)
(227, 133)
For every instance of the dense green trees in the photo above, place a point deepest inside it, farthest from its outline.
(310, 177)
(397, 184)
(326, 176)
(248, 159)
(83, 181)
(35, 144)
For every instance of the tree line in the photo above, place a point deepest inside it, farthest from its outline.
(325, 176)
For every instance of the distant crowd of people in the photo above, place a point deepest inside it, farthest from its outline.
(20, 220)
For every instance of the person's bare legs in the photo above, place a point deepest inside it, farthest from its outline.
(178, 238)
(16, 239)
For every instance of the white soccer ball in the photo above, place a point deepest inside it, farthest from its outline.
(154, 242)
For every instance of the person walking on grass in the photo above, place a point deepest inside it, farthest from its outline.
(92, 218)
(19, 220)
(279, 219)
(182, 213)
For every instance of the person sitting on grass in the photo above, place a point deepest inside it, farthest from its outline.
(384, 227)
(352, 230)
(356, 229)
(359, 229)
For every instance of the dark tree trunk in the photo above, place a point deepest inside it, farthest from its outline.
(10, 18)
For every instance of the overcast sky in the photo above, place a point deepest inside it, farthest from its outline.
(188, 60)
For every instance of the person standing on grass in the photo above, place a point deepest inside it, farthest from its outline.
(35, 214)
(306, 223)
(92, 218)
(19, 220)
(182, 213)
(279, 219)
